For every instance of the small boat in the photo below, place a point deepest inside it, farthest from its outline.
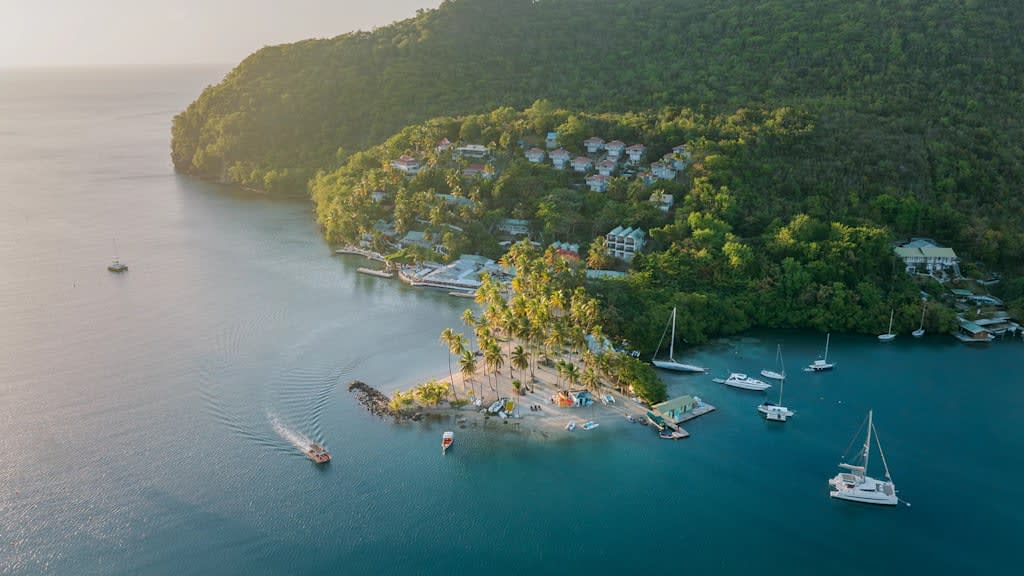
(571, 425)
(738, 380)
(671, 363)
(821, 364)
(590, 425)
(772, 374)
(856, 486)
(667, 434)
(446, 441)
(318, 454)
(888, 336)
(920, 329)
(117, 265)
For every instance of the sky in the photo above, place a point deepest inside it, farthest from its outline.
(36, 33)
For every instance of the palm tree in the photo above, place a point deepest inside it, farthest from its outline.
(494, 361)
(468, 319)
(453, 340)
(520, 360)
(467, 365)
(572, 374)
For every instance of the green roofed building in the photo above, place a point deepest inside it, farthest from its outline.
(677, 409)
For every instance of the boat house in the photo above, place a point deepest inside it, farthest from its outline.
(678, 409)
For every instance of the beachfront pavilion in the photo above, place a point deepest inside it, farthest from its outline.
(676, 409)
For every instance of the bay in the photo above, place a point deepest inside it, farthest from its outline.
(146, 418)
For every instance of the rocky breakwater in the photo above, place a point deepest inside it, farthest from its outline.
(377, 402)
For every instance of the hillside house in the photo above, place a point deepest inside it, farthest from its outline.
(478, 171)
(593, 144)
(662, 200)
(582, 163)
(663, 171)
(597, 182)
(922, 252)
(646, 177)
(443, 145)
(567, 250)
(514, 227)
(636, 152)
(406, 164)
(615, 148)
(606, 167)
(559, 158)
(473, 151)
(551, 141)
(535, 155)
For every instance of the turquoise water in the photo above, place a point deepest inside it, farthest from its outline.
(146, 418)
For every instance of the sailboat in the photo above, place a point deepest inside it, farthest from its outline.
(821, 364)
(776, 412)
(117, 265)
(888, 336)
(856, 486)
(778, 359)
(920, 329)
(671, 363)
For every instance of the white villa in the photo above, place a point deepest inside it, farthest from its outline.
(594, 144)
(662, 201)
(635, 152)
(406, 164)
(606, 167)
(559, 158)
(535, 155)
(582, 163)
(597, 182)
(615, 148)
(624, 243)
(514, 227)
(924, 252)
(646, 177)
(473, 151)
(552, 140)
(478, 171)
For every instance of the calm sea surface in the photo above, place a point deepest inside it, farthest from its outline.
(148, 420)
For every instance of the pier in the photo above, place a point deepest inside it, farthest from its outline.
(375, 272)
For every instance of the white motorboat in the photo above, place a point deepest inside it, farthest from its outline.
(856, 486)
(590, 425)
(888, 336)
(671, 363)
(772, 374)
(571, 425)
(117, 265)
(738, 380)
(447, 439)
(821, 364)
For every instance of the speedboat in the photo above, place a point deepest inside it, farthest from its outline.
(571, 425)
(318, 454)
(117, 266)
(446, 441)
(738, 380)
(590, 425)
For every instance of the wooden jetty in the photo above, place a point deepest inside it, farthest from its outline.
(356, 251)
(375, 272)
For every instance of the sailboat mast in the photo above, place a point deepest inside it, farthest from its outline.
(891, 312)
(923, 308)
(672, 342)
(782, 383)
(827, 336)
(867, 442)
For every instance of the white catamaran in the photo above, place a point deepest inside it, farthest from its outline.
(856, 486)
(671, 363)
(821, 364)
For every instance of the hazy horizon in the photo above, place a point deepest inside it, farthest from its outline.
(126, 33)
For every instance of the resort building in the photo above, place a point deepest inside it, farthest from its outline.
(597, 182)
(473, 151)
(406, 164)
(646, 177)
(635, 152)
(924, 253)
(551, 141)
(593, 144)
(662, 201)
(514, 227)
(679, 410)
(606, 167)
(559, 158)
(582, 163)
(674, 160)
(615, 148)
(624, 243)
(535, 155)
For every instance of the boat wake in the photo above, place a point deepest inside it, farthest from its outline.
(296, 439)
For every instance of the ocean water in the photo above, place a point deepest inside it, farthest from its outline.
(149, 420)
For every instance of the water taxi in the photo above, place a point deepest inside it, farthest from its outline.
(117, 266)
(318, 454)
(446, 441)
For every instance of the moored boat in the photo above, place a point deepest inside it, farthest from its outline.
(671, 363)
(571, 425)
(117, 266)
(772, 374)
(590, 425)
(738, 380)
(821, 364)
(889, 335)
(318, 454)
(446, 441)
(856, 486)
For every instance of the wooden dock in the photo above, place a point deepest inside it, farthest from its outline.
(696, 412)
(375, 272)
